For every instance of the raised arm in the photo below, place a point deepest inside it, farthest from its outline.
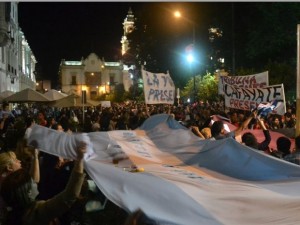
(245, 124)
(197, 132)
(62, 202)
(35, 166)
(81, 149)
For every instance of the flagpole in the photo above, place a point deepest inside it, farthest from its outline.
(298, 83)
(194, 47)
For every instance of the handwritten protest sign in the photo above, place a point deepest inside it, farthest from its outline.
(158, 88)
(249, 98)
(249, 81)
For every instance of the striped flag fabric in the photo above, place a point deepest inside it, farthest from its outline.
(175, 178)
(265, 108)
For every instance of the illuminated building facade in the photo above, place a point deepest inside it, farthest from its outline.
(17, 62)
(93, 75)
(128, 27)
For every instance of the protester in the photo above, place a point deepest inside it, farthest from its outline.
(19, 193)
(10, 163)
(54, 175)
(42, 119)
(29, 122)
(275, 123)
(218, 130)
(5, 110)
(294, 157)
(250, 140)
(29, 158)
(289, 121)
(283, 146)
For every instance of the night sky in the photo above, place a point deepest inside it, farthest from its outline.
(71, 30)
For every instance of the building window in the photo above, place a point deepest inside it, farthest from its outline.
(93, 94)
(94, 79)
(112, 78)
(73, 82)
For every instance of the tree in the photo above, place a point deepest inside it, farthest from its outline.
(119, 93)
(283, 73)
(206, 87)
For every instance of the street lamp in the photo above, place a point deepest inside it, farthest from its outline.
(190, 59)
(190, 51)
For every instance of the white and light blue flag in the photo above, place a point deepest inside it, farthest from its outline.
(184, 180)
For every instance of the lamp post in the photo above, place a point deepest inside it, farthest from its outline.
(190, 56)
(190, 59)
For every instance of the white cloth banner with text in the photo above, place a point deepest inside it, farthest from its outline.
(248, 81)
(249, 98)
(158, 88)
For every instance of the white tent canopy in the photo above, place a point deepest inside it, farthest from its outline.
(27, 95)
(54, 95)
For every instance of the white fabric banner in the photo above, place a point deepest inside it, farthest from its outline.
(185, 180)
(250, 98)
(158, 88)
(258, 80)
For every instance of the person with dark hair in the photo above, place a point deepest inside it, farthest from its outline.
(42, 121)
(29, 122)
(105, 118)
(250, 140)
(54, 177)
(5, 110)
(283, 145)
(294, 157)
(289, 122)
(218, 130)
(276, 123)
(64, 121)
(19, 192)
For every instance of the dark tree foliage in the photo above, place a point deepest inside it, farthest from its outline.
(119, 93)
(272, 33)
(261, 36)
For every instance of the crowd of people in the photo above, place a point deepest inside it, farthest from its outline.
(39, 188)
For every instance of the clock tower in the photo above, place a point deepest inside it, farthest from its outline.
(128, 27)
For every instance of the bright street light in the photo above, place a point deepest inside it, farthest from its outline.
(177, 14)
(190, 58)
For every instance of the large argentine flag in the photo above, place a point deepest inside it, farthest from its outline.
(185, 180)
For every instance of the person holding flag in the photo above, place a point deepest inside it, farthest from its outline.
(250, 140)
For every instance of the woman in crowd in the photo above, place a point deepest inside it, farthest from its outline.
(19, 192)
(10, 163)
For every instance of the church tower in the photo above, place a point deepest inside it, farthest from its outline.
(128, 27)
